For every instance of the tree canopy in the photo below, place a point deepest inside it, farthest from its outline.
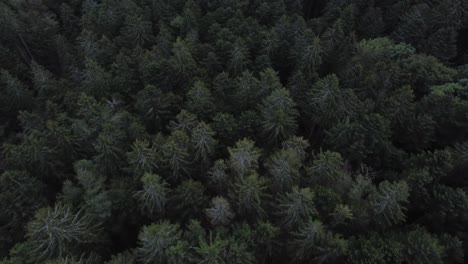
(233, 131)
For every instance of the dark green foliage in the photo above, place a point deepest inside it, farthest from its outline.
(142, 158)
(278, 115)
(203, 142)
(95, 196)
(137, 30)
(250, 192)
(217, 174)
(175, 154)
(155, 106)
(284, 168)
(199, 100)
(212, 251)
(220, 212)
(236, 132)
(421, 247)
(243, 157)
(153, 197)
(328, 170)
(19, 194)
(296, 207)
(122, 258)
(188, 200)
(313, 241)
(327, 102)
(388, 202)
(156, 241)
(375, 249)
(57, 231)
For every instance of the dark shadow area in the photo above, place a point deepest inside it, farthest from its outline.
(314, 8)
(462, 48)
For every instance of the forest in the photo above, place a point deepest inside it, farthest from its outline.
(233, 131)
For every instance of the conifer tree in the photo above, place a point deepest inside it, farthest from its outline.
(388, 202)
(154, 196)
(142, 159)
(217, 175)
(244, 156)
(328, 169)
(156, 240)
(188, 200)
(212, 251)
(182, 60)
(175, 154)
(296, 207)
(14, 94)
(200, 100)
(137, 30)
(203, 142)
(21, 196)
(284, 166)
(279, 115)
(56, 231)
(250, 192)
(313, 241)
(220, 212)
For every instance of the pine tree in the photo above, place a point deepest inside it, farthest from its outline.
(297, 144)
(238, 57)
(182, 60)
(200, 101)
(14, 94)
(279, 115)
(44, 82)
(56, 231)
(269, 81)
(97, 202)
(142, 158)
(188, 200)
(421, 247)
(244, 156)
(33, 153)
(284, 167)
(376, 249)
(246, 91)
(59, 134)
(137, 30)
(327, 102)
(185, 121)
(296, 207)
(218, 176)
(308, 52)
(156, 107)
(156, 240)
(314, 242)
(387, 202)
(250, 192)
(212, 251)
(175, 154)
(220, 212)
(328, 169)
(21, 196)
(154, 196)
(109, 154)
(203, 142)
(265, 235)
(96, 80)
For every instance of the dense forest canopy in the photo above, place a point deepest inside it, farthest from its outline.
(233, 131)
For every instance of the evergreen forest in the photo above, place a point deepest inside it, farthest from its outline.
(233, 131)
